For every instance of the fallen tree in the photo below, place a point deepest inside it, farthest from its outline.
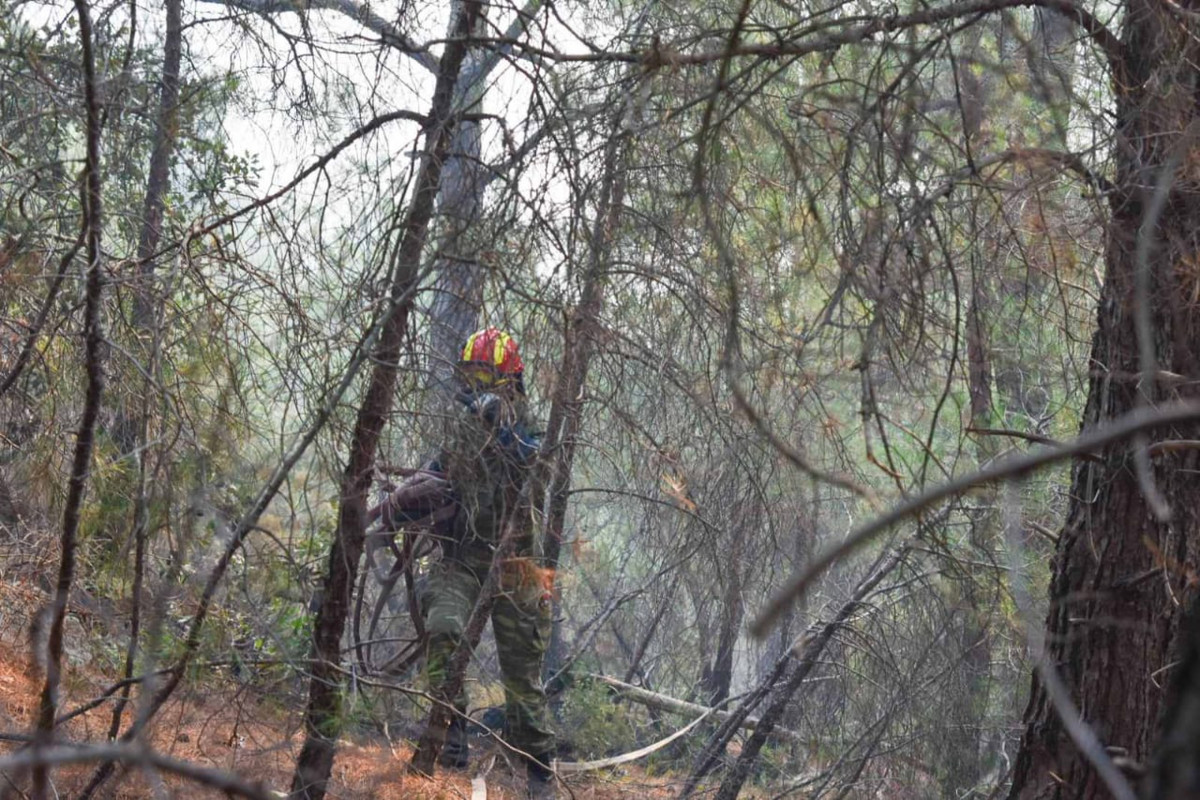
(676, 706)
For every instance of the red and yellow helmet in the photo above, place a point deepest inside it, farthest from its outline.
(490, 358)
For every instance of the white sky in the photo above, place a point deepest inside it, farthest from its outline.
(351, 77)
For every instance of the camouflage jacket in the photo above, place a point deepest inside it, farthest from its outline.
(488, 453)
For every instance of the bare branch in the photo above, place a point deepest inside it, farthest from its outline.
(1015, 467)
(512, 35)
(359, 12)
(1108, 42)
(35, 330)
(1029, 437)
(1172, 446)
(676, 706)
(316, 166)
(138, 756)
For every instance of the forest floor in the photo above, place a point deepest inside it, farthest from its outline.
(225, 725)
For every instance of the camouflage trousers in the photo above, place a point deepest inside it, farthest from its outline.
(521, 624)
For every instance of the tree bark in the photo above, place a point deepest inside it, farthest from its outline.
(717, 679)
(158, 181)
(971, 622)
(85, 438)
(566, 411)
(1175, 773)
(1120, 578)
(458, 287)
(323, 719)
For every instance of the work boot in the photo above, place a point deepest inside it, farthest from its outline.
(541, 778)
(457, 750)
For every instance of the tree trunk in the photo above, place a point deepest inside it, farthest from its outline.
(458, 288)
(1052, 69)
(85, 438)
(158, 181)
(126, 423)
(971, 633)
(1175, 774)
(718, 677)
(1120, 577)
(146, 323)
(566, 411)
(323, 719)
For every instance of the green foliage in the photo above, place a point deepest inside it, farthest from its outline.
(595, 723)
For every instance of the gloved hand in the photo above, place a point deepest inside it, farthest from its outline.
(512, 436)
(487, 406)
(521, 445)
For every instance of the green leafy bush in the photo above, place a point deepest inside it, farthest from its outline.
(595, 724)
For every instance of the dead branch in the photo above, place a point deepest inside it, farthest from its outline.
(1029, 437)
(1015, 467)
(574, 767)
(1104, 38)
(388, 33)
(134, 755)
(813, 648)
(1172, 446)
(674, 705)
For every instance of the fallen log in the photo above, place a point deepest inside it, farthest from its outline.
(575, 767)
(676, 706)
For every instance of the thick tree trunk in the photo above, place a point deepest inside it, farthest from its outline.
(1175, 773)
(1121, 575)
(457, 294)
(460, 274)
(323, 719)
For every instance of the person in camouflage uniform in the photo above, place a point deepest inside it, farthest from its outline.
(488, 453)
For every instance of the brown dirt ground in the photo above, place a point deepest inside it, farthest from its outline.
(224, 726)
